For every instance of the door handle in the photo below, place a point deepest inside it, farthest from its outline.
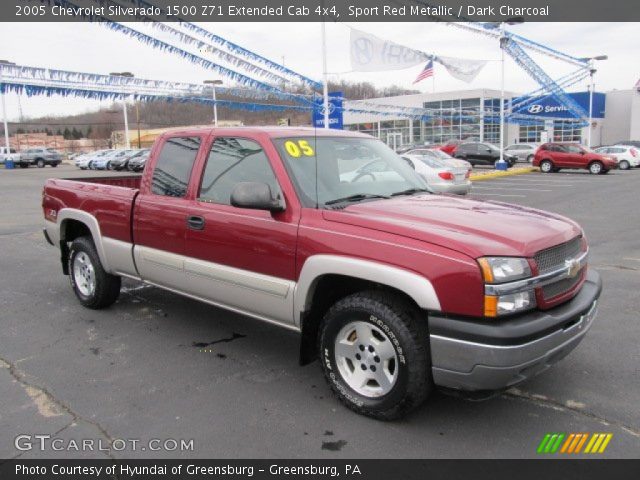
(194, 222)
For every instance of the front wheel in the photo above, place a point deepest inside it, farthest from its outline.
(530, 158)
(40, 163)
(24, 165)
(94, 287)
(595, 168)
(375, 356)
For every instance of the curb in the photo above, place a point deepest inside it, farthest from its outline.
(508, 173)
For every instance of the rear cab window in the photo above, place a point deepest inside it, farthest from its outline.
(174, 165)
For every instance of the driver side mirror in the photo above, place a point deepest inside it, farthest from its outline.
(255, 195)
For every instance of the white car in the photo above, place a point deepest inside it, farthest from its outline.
(376, 170)
(524, 151)
(439, 154)
(84, 161)
(10, 154)
(441, 176)
(628, 156)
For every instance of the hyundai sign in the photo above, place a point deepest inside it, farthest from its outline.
(335, 111)
(550, 108)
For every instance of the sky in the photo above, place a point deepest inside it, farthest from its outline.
(87, 47)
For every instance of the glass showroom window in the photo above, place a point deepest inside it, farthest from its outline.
(566, 132)
(530, 133)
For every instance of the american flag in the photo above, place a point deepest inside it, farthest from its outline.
(425, 73)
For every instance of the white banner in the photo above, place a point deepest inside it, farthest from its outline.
(461, 68)
(371, 54)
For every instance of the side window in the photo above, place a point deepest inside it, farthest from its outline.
(232, 161)
(173, 168)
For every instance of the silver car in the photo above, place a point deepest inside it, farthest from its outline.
(441, 176)
(524, 151)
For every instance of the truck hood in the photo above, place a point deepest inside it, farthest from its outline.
(475, 228)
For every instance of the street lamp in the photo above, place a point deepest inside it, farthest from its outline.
(213, 84)
(501, 164)
(124, 103)
(592, 71)
(4, 107)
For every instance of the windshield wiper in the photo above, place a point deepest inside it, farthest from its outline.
(355, 198)
(411, 191)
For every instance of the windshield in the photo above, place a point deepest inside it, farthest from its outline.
(345, 167)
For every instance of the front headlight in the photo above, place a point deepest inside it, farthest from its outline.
(496, 270)
(504, 269)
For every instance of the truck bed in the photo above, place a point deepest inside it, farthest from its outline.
(109, 199)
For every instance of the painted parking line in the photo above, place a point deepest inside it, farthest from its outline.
(526, 184)
(510, 188)
(498, 194)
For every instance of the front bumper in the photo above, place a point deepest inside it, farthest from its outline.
(473, 355)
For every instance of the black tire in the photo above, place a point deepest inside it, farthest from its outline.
(596, 168)
(399, 320)
(109, 166)
(24, 165)
(624, 165)
(40, 163)
(546, 166)
(54, 165)
(530, 158)
(107, 286)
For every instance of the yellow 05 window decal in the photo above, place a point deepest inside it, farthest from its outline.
(299, 148)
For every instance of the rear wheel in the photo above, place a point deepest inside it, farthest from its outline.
(530, 158)
(24, 165)
(54, 165)
(624, 165)
(546, 166)
(40, 163)
(595, 168)
(375, 356)
(94, 287)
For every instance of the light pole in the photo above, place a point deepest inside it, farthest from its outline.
(325, 81)
(501, 164)
(592, 86)
(124, 103)
(213, 84)
(4, 107)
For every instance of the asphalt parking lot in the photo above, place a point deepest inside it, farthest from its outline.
(159, 366)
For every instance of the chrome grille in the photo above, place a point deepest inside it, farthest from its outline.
(561, 286)
(554, 257)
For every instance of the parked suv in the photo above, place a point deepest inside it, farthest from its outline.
(551, 157)
(40, 157)
(478, 153)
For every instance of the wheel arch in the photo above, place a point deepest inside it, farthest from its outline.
(327, 278)
(76, 223)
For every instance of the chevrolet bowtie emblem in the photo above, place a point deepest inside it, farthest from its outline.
(573, 267)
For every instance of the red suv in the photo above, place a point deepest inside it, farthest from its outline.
(551, 157)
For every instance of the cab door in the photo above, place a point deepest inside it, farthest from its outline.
(241, 258)
(162, 210)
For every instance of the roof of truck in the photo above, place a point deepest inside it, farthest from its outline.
(273, 131)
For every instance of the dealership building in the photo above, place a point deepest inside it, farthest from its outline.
(474, 114)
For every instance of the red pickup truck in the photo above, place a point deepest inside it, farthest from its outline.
(396, 290)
